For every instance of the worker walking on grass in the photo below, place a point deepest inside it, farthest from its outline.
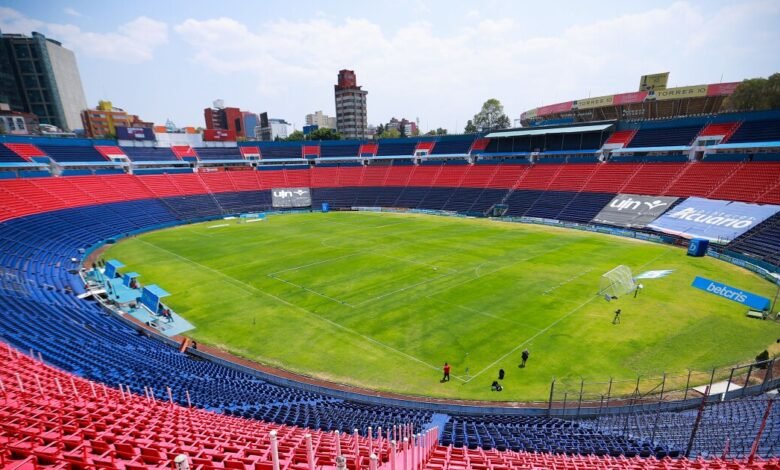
(616, 320)
(524, 356)
(446, 377)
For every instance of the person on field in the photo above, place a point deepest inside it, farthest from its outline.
(524, 356)
(496, 387)
(446, 377)
(500, 374)
(616, 320)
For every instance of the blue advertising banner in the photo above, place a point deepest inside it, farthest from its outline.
(713, 220)
(732, 293)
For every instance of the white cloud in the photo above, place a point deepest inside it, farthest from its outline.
(72, 12)
(132, 42)
(11, 21)
(414, 71)
(440, 68)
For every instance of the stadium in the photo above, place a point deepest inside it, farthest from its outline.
(596, 288)
(85, 341)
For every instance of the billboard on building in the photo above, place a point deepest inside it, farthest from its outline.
(213, 135)
(291, 197)
(695, 91)
(596, 102)
(631, 210)
(134, 133)
(655, 81)
(713, 220)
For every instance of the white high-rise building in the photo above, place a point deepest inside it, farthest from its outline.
(321, 120)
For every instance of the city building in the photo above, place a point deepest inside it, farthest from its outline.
(351, 110)
(279, 128)
(322, 121)
(105, 118)
(39, 76)
(406, 127)
(224, 118)
(271, 128)
(251, 121)
(14, 122)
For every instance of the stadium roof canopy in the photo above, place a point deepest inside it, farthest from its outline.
(548, 130)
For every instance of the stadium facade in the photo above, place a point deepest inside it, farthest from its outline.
(649, 102)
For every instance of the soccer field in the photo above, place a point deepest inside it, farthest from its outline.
(382, 300)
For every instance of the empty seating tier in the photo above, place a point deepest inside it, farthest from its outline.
(9, 156)
(452, 147)
(405, 149)
(150, 154)
(73, 154)
(219, 153)
(757, 131)
(109, 151)
(621, 137)
(280, 151)
(183, 151)
(720, 129)
(339, 150)
(26, 151)
(664, 137)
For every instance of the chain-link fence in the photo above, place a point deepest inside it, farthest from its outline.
(724, 411)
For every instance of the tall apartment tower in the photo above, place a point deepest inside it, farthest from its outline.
(224, 118)
(39, 76)
(351, 115)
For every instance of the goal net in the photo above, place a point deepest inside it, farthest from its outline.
(617, 282)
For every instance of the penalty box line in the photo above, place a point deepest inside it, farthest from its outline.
(541, 332)
(249, 288)
(324, 296)
(454, 273)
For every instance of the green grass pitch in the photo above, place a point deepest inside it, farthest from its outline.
(383, 300)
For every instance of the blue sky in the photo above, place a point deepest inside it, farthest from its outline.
(436, 61)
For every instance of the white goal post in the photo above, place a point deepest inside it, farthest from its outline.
(616, 282)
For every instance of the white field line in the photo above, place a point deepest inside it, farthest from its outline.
(554, 288)
(485, 314)
(541, 332)
(411, 261)
(250, 288)
(332, 299)
(314, 263)
(471, 279)
(219, 225)
(387, 294)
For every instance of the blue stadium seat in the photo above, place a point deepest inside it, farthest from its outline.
(71, 154)
(767, 130)
(664, 137)
(8, 156)
(149, 154)
(219, 153)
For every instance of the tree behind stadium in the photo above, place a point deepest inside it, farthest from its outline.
(756, 94)
(491, 116)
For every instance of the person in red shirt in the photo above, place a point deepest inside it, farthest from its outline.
(446, 373)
